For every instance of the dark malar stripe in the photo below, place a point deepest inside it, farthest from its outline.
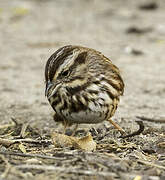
(64, 106)
(56, 102)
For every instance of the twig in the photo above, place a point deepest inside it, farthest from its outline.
(5, 126)
(64, 169)
(23, 130)
(138, 132)
(32, 141)
(31, 155)
(7, 168)
(15, 121)
(151, 119)
(8, 142)
(151, 164)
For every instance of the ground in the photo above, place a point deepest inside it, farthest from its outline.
(132, 35)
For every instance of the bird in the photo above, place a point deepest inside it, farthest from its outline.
(83, 86)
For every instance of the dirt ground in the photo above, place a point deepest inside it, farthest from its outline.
(132, 34)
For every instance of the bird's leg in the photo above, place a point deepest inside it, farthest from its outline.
(117, 127)
(65, 124)
(74, 130)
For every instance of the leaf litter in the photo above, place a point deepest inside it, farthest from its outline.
(32, 154)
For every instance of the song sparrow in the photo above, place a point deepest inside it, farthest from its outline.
(82, 86)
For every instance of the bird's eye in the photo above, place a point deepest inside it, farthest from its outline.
(65, 73)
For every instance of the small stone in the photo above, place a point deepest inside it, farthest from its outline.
(149, 6)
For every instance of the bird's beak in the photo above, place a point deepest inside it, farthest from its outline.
(51, 89)
(48, 87)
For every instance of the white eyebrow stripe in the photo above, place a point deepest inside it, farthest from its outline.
(69, 61)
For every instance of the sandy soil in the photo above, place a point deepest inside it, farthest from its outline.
(128, 32)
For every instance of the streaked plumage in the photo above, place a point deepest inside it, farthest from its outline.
(82, 85)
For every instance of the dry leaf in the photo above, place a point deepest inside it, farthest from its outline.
(86, 143)
(22, 148)
(61, 140)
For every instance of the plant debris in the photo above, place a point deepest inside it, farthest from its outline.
(112, 155)
(138, 132)
(85, 143)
